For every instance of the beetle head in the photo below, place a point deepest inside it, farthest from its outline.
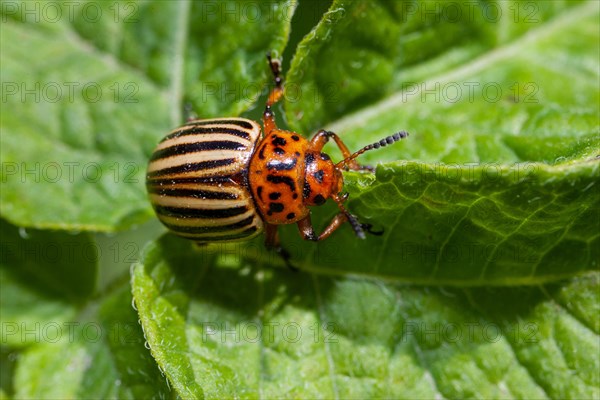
(322, 179)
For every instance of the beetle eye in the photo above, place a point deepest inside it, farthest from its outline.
(325, 157)
(319, 200)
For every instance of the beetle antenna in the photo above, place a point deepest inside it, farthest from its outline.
(275, 65)
(383, 142)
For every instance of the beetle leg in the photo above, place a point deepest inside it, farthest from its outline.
(274, 96)
(319, 140)
(272, 243)
(359, 229)
(308, 233)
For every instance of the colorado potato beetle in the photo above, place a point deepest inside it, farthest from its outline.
(223, 179)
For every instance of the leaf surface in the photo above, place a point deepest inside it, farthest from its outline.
(84, 122)
(59, 338)
(219, 327)
(501, 182)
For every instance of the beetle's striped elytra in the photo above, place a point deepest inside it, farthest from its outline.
(225, 179)
(197, 180)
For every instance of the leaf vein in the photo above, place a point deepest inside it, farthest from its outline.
(490, 58)
(506, 237)
(558, 240)
(485, 315)
(322, 318)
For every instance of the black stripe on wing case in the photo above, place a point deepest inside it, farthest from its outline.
(182, 212)
(192, 130)
(225, 238)
(211, 229)
(177, 181)
(199, 166)
(193, 193)
(239, 122)
(197, 147)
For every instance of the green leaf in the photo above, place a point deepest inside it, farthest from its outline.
(7, 364)
(93, 86)
(58, 340)
(43, 277)
(99, 357)
(496, 193)
(362, 51)
(220, 328)
(502, 183)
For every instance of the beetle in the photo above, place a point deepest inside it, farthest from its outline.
(223, 179)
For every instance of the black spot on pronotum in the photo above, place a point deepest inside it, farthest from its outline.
(279, 151)
(278, 141)
(282, 179)
(319, 175)
(319, 199)
(275, 207)
(309, 158)
(291, 216)
(261, 153)
(285, 165)
(274, 195)
(325, 157)
(297, 153)
(295, 196)
(295, 138)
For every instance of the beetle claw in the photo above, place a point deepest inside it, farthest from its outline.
(368, 228)
(285, 255)
(369, 168)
